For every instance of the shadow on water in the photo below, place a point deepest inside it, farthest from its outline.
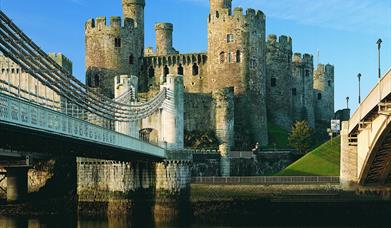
(224, 214)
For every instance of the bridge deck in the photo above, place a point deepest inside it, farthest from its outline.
(22, 122)
(380, 92)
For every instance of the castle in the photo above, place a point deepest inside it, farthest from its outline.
(244, 81)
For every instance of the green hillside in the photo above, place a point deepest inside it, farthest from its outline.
(322, 161)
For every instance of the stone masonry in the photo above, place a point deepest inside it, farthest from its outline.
(270, 84)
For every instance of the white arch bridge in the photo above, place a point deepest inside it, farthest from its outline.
(71, 120)
(366, 140)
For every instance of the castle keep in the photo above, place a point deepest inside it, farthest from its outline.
(244, 80)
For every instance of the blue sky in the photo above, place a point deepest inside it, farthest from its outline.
(344, 31)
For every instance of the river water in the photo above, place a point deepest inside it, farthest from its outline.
(220, 214)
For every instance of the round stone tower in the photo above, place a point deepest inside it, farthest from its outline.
(110, 51)
(236, 46)
(164, 39)
(324, 92)
(224, 117)
(302, 88)
(135, 9)
(279, 75)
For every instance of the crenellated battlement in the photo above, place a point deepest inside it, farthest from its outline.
(164, 26)
(115, 22)
(305, 59)
(325, 72)
(185, 59)
(283, 41)
(251, 16)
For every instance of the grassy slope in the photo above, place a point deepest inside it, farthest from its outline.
(277, 136)
(322, 161)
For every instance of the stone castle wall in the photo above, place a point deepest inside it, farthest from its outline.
(199, 111)
(192, 66)
(30, 87)
(324, 92)
(279, 73)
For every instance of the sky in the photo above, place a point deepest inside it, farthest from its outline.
(344, 31)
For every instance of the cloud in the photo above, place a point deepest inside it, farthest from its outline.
(367, 16)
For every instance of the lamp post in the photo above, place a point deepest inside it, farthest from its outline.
(347, 102)
(359, 88)
(379, 41)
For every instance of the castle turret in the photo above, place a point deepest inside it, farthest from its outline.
(111, 50)
(302, 88)
(236, 45)
(279, 76)
(164, 39)
(216, 5)
(134, 9)
(324, 92)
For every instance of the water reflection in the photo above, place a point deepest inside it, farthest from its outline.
(221, 215)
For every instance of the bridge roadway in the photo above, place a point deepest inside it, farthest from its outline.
(28, 127)
(366, 139)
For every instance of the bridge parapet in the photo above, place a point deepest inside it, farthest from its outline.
(380, 92)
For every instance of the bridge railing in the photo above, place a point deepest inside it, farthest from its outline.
(377, 94)
(267, 180)
(22, 113)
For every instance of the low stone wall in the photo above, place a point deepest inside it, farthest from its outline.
(264, 163)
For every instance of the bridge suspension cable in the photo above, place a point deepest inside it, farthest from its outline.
(23, 51)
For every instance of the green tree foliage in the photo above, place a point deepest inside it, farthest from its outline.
(300, 136)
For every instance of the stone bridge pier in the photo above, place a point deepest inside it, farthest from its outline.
(24, 180)
(17, 184)
(111, 187)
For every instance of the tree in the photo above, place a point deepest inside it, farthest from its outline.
(300, 137)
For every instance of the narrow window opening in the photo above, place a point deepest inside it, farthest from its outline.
(180, 69)
(273, 82)
(329, 83)
(151, 72)
(117, 42)
(230, 57)
(166, 71)
(319, 96)
(96, 80)
(307, 73)
(294, 91)
(230, 38)
(238, 56)
(195, 69)
(131, 59)
(222, 57)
